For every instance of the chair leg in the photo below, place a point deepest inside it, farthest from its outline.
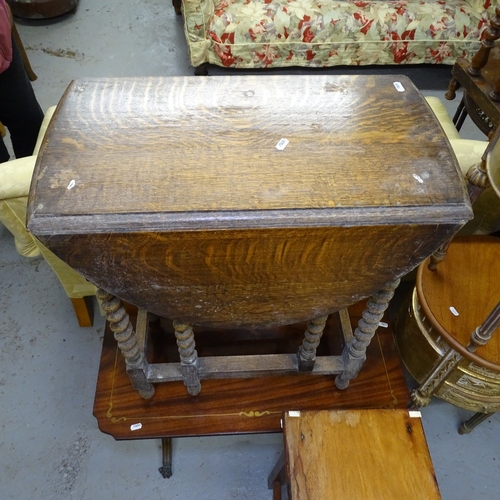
(84, 311)
(27, 66)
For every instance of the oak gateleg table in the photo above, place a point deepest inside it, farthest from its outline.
(245, 203)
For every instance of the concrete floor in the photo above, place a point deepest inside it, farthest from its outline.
(50, 446)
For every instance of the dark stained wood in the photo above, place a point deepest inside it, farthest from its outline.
(41, 9)
(483, 110)
(204, 150)
(252, 405)
(238, 277)
(491, 34)
(170, 192)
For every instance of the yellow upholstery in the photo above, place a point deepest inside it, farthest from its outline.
(15, 180)
(468, 152)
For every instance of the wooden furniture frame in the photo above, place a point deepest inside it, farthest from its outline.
(480, 80)
(438, 338)
(191, 369)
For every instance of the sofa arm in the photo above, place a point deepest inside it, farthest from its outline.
(11, 216)
(15, 178)
(197, 15)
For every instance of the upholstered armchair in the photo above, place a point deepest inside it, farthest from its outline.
(15, 179)
(311, 33)
(468, 152)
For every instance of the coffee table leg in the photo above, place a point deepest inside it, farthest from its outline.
(354, 353)
(189, 357)
(128, 344)
(312, 336)
(166, 454)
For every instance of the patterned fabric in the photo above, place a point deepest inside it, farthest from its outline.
(319, 33)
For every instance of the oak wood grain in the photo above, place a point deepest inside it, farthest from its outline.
(170, 193)
(207, 146)
(249, 277)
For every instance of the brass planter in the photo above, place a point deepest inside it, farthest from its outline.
(469, 385)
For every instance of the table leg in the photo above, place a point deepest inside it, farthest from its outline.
(189, 357)
(83, 311)
(421, 396)
(177, 6)
(166, 456)
(312, 336)
(354, 353)
(453, 86)
(123, 331)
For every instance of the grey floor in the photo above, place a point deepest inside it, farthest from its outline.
(50, 446)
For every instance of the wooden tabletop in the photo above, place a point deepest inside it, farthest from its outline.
(181, 152)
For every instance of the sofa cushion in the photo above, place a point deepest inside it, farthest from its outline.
(266, 33)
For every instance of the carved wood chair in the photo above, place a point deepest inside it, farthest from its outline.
(480, 80)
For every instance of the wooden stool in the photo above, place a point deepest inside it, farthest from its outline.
(354, 454)
(41, 9)
(447, 306)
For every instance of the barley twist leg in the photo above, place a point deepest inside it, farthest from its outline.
(354, 353)
(312, 336)
(120, 324)
(189, 357)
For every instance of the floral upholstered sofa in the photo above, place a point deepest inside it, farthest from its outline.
(321, 33)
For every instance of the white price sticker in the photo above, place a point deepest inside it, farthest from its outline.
(399, 86)
(282, 144)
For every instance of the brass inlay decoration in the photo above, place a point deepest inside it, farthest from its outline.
(254, 413)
